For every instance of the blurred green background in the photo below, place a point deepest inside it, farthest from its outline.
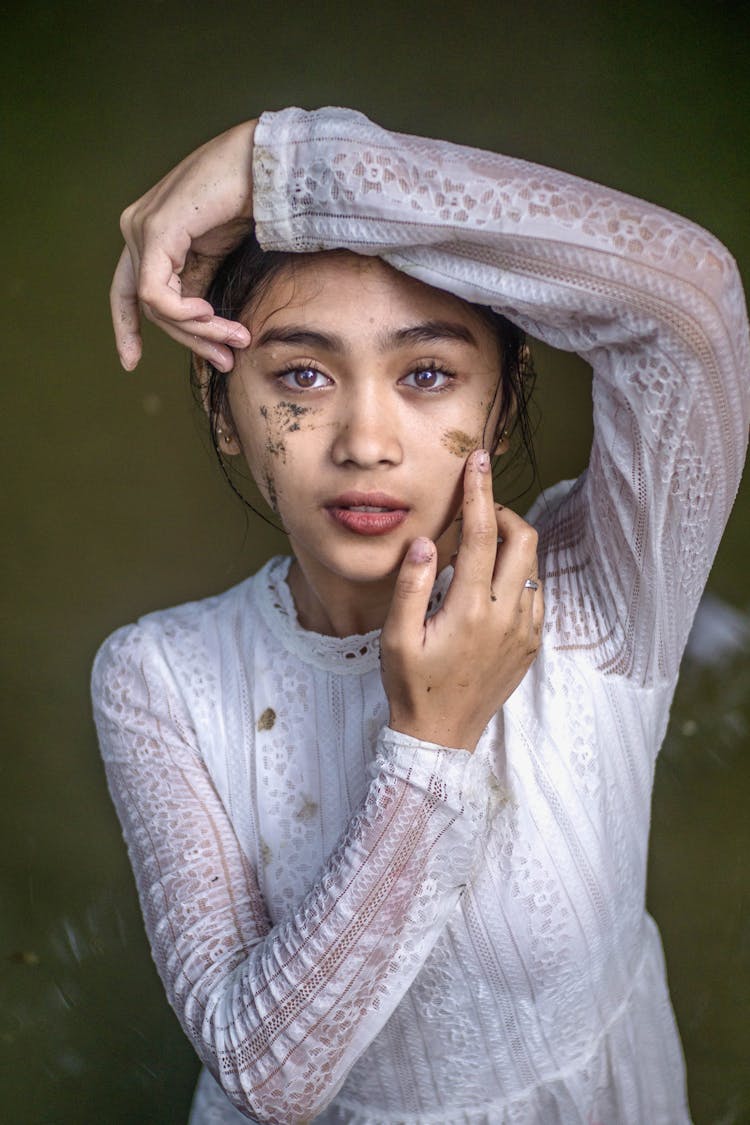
(113, 505)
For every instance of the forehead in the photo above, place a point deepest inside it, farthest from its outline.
(353, 291)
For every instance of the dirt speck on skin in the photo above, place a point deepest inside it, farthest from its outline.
(286, 416)
(286, 410)
(273, 497)
(284, 419)
(460, 443)
(276, 448)
(307, 809)
(267, 719)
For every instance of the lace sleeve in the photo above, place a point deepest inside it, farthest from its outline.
(651, 301)
(279, 1015)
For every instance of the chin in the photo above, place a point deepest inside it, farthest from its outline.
(359, 562)
(368, 565)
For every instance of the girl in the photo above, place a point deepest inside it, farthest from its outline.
(393, 867)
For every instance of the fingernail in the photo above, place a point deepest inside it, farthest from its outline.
(128, 362)
(221, 363)
(420, 551)
(482, 460)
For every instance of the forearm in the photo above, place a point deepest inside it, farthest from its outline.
(582, 266)
(331, 177)
(288, 1025)
(280, 1014)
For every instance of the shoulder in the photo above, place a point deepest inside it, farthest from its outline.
(548, 502)
(178, 648)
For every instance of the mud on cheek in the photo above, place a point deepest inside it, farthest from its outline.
(459, 442)
(283, 418)
(279, 420)
(267, 485)
(287, 415)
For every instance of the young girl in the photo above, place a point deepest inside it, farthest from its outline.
(392, 865)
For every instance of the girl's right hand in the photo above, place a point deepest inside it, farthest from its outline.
(175, 236)
(445, 677)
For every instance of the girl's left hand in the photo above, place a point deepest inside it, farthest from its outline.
(445, 677)
(175, 236)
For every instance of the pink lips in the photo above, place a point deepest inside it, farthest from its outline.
(367, 513)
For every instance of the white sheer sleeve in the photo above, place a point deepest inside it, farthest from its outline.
(279, 1015)
(651, 301)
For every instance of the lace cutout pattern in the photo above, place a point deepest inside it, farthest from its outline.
(356, 927)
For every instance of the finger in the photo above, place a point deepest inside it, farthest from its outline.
(535, 607)
(516, 553)
(123, 303)
(532, 583)
(411, 595)
(159, 287)
(220, 356)
(213, 330)
(475, 560)
(201, 266)
(537, 612)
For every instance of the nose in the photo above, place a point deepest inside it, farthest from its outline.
(367, 431)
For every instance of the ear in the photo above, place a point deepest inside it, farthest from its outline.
(222, 428)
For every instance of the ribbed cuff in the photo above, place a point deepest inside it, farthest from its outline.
(286, 143)
(460, 780)
(270, 207)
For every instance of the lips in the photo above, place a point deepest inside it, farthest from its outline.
(367, 513)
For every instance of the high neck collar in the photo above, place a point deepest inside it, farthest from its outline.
(356, 654)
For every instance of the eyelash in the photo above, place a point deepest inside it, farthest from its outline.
(433, 368)
(296, 369)
(423, 368)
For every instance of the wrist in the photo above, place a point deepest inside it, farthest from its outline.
(437, 733)
(239, 155)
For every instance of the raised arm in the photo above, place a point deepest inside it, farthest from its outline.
(651, 301)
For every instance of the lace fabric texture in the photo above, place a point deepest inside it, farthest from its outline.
(353, 926)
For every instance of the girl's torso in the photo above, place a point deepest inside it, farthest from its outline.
(545, 995)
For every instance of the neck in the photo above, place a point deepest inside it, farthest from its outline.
(329, 604)
(336, 608)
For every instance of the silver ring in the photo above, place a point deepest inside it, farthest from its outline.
(530, 584)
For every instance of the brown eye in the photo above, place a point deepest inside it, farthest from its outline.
(304, 379)
(427, 379)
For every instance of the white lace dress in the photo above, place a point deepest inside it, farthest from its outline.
(354, 926)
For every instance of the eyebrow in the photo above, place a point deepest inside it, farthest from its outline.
(426, 332)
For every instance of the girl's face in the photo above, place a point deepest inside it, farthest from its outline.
(356, 405)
